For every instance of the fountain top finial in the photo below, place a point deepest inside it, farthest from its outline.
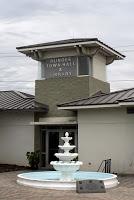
(66, 134)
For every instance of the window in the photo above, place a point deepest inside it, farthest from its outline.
(42, 70)
(66, 67)
(59, 67)
(84, 65)
(130, 110)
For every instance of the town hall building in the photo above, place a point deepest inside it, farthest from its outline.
(73, 95)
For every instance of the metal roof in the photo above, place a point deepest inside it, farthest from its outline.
(14, 100)
(66, 42)
(103, 99)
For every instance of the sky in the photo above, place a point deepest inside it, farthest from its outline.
(37, 21)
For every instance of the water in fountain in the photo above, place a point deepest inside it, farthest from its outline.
(66, 165)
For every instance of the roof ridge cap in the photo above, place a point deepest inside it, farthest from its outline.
(86, 98)
(23, 95)
(103, 94)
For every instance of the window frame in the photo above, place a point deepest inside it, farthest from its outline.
(89, 68)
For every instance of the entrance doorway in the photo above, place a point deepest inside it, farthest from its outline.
(51, 138)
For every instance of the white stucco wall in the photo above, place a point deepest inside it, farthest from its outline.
(99, 67)
(60, 53)
(106, 133)
(16, 137)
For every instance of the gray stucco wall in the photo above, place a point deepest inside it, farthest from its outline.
(106, 133)
(60, 90)
(16, 137)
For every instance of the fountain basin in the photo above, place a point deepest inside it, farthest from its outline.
(66, 148)
(66, 138)
(66, 166)
(51, 180)
(66, 157)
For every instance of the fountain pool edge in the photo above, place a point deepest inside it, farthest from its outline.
(60, 185)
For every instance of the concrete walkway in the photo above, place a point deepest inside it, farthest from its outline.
(10, 190)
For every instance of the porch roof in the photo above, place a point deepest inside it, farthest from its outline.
(113, 99)
(15, 100)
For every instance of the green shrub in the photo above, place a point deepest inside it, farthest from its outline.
(33, 159)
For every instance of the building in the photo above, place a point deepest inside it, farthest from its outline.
(16, 134)
(70, 71)
(106, 127)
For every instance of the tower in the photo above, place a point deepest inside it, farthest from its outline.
(69, 69)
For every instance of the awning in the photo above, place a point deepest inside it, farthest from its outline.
(55, 121)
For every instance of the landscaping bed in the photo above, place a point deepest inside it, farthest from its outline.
(9, 168)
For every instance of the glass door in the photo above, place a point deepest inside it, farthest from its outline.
(49, 146)
(53, 142)
(50, 139)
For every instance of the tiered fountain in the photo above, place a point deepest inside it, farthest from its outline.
(65, 165)
(66, 174)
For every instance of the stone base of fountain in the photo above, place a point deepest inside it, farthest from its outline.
(51, 180)
(48, 184)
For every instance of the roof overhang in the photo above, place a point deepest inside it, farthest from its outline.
(94, 43)
(96, 106)
(126, 103)
(86, 107)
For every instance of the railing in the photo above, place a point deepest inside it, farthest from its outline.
(106, 167)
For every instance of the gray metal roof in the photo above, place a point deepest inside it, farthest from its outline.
(67, 41)
(14, 100)
(103, 99)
